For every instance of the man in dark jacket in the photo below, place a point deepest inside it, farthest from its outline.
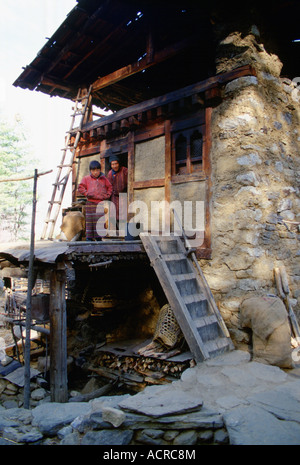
(118, 177)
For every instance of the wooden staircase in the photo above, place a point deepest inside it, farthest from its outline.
(189, 296)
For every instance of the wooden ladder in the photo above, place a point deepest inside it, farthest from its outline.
(81, 108)
(189, 295)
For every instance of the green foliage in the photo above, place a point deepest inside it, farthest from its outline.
(15, 197)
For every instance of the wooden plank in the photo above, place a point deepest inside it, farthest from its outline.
(145, 133)
(187, 287)
(149, 183)
(93, 395)
(209, 328)
(141, 65)
(89, 149)
(133, 380)
(168, 173)
(178, 306)
(183, 276)
(205, 320)
(168, 162)
(58, 337)
(193, 298)
(208, 186)
(131, 163)
(183, 178)
(174, 256)
(218, 346)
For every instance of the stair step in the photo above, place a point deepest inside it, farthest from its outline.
(193, 298)
(79, 99)
(168, 246)
(205, 321)
(59, 183)
(217, 346)
(187, 285)
(73, 131)
(208, 328)
(76, 113)
(198, 309)
(183, 277)
(174, 256)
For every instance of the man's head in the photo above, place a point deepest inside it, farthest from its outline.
(95, 168)
(115, 165)
(114, 162)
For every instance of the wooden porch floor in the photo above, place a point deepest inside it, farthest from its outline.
(50, 252)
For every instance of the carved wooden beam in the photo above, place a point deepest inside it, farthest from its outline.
(171, 97)
(142, 64)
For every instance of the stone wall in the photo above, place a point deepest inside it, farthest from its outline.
(255, 178)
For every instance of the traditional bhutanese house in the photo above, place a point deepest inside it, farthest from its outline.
(204, 111)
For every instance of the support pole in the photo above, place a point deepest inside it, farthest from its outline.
(31, 279)
(58, 336)
(28, 300)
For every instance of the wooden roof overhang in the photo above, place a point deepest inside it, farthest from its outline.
(132, 51)
(105, 42)
(206, 93)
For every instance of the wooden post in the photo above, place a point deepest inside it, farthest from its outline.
(28, 300)
(58, 336)
(31, 281)
(168, 173)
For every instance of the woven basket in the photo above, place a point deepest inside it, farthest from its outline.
(167, 331)
(103, 302)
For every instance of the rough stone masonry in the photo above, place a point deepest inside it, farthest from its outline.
(255, 178)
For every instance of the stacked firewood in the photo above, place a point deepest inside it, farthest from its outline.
(138, 372)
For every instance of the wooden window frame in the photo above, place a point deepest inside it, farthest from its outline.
(187, 165)
(201, 119)
(187, 128)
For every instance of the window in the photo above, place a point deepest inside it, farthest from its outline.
(187, 148)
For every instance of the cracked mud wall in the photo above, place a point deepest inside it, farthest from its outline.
(255, 178)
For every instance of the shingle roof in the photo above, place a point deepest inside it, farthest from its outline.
(137, 50)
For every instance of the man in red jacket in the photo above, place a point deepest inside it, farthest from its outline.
(96, 188)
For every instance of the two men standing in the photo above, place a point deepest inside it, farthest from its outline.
(97, 188)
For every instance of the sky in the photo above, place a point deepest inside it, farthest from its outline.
(25, 26)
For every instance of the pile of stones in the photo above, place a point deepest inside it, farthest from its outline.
(230, 399)
(108, 421)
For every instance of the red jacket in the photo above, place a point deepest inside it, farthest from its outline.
(95, 189)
